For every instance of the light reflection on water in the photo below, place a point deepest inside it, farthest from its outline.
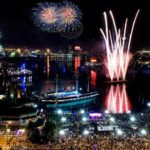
(117, 100)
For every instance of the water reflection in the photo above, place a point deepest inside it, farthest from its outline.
(117, 100)
(48, 66)
(93, 79)
(77, 62)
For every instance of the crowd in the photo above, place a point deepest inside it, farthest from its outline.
(74, 139)
(95, 142)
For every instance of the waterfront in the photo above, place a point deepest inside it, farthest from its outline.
(117, 98)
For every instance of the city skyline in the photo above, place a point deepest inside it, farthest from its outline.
(18, 29)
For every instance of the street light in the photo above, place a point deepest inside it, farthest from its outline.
(8, 130)
(82, 111)
(84, 119)
(61, 132)
(112, 119)
(143, 132)
(128, 112)
(59, 111)
(63, 119)
(148, 104)
(119, 132)
(35, 105)
(106, 111)
(85, 132)
(132, 119)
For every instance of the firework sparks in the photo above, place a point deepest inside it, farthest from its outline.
(45, 16)
(70, 19)
(118, 57)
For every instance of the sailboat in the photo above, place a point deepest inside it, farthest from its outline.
(68, 98)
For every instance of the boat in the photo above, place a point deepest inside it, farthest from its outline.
(67, 98)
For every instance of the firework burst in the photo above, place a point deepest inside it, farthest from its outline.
(118, 55)
(45, 16)
(69, 18)
(64, 18)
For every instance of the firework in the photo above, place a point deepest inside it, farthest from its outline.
(69, 19)
(118, 56)
(64, 18)
(45, 16)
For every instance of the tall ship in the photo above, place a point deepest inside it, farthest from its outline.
(67, 98)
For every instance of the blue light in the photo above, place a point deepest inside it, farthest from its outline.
(23, 81)
(23, 66)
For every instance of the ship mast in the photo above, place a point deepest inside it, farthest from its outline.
(56, 90)
(77, 83)
(88, 84)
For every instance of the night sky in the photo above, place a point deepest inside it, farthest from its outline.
(18, 29)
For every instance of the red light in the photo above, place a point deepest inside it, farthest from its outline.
(93, 60)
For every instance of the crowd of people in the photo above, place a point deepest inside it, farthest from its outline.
(74, 139)
(94, 142)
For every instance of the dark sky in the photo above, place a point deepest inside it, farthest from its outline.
(18, 29)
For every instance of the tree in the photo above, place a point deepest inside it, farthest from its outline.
(50, 130)
(35, 136)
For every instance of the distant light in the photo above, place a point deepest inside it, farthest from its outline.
(128, 112)
(93, 60)
(8, 130)
(77, 48)
(106, 111)
(148, 104)
(62, 132)
(119, 132)
(2, 96)
(42, 110)
(22, 130)
(35, 106)
(59, 111)
(142, 114)
(12, 95)
(85, 132)
(112, 119)
(132, 119)
(82, 111)
(143, 132)
(80, 89)
(63, 119)
(84, 119)
(95, 114)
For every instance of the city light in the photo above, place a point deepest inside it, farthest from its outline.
(59, 111)
(84, 119)
(35, 105)
(112, 119)
(82, 111)
(119, 132)
(132, 119)
(128, 112)
(106, 111)
(8, 130)
(143, 132)
(61, 132)
(85, 132)
(148, 104)
(63, 119)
